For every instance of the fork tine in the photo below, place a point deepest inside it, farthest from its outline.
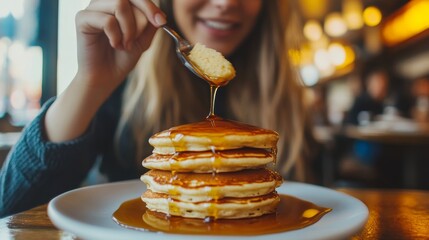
(183, 48)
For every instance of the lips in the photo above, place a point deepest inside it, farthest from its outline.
(219, 34)
(219, 25)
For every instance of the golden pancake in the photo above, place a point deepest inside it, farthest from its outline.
(226, 208)
(209, 161)
(211, 134)
(191, 187)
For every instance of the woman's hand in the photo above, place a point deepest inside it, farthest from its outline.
(111, 36)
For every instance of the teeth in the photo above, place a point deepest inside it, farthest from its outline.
(219, 25)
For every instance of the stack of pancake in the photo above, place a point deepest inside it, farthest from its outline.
(214, 168)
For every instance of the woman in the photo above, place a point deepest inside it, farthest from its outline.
(107, 113)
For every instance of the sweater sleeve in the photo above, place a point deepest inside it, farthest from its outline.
(37, 170)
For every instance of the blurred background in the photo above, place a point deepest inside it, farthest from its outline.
(365, 65)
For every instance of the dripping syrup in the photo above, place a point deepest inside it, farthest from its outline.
(213, 91)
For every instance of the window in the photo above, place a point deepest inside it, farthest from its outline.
(27, 50)
(67, 59)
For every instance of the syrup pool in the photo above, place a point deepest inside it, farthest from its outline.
(292, 213)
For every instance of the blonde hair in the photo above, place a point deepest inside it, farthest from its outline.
(266, 91)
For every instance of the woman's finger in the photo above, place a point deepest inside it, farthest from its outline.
(122, 10)
(126, 20)
(89, 22)
(151, 11)
(141, 21)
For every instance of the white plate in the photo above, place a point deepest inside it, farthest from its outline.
(87, 213)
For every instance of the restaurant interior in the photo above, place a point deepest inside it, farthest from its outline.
(364, 65)
(349, 45)
(343, 43)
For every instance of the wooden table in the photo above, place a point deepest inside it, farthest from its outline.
(393, 214)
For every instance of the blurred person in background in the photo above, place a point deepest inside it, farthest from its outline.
(420, 93)
(413, 100)
(371, 102)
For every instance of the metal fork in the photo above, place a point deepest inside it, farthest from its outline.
(183, 48)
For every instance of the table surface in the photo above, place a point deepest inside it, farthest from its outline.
(393, 214)
(389, 136)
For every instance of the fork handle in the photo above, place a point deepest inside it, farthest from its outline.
(181, 42)
(172, 33)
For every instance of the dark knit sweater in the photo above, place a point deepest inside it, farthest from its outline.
(37, 170)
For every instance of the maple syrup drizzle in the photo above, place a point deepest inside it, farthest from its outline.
(215, 126)
(292, 213)
(214, 191)
(216, 162)
(274, 152)
(216, 130)
(173, 191)
(213, 91)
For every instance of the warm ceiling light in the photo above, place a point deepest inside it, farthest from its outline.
(350, 56)
(323, 42)
(313, 9)
(305, 54)
(335, 25)
(323, 62)
(372, 16)
(337, 53)
(313, 30)
(341, 55)
(411, 20)
(295, 56)
(352, 13)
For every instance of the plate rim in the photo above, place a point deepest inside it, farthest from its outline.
(91, 231)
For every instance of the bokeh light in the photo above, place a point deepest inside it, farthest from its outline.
(309, 75)
(372, 16)
(335, 25)
(313, 30)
